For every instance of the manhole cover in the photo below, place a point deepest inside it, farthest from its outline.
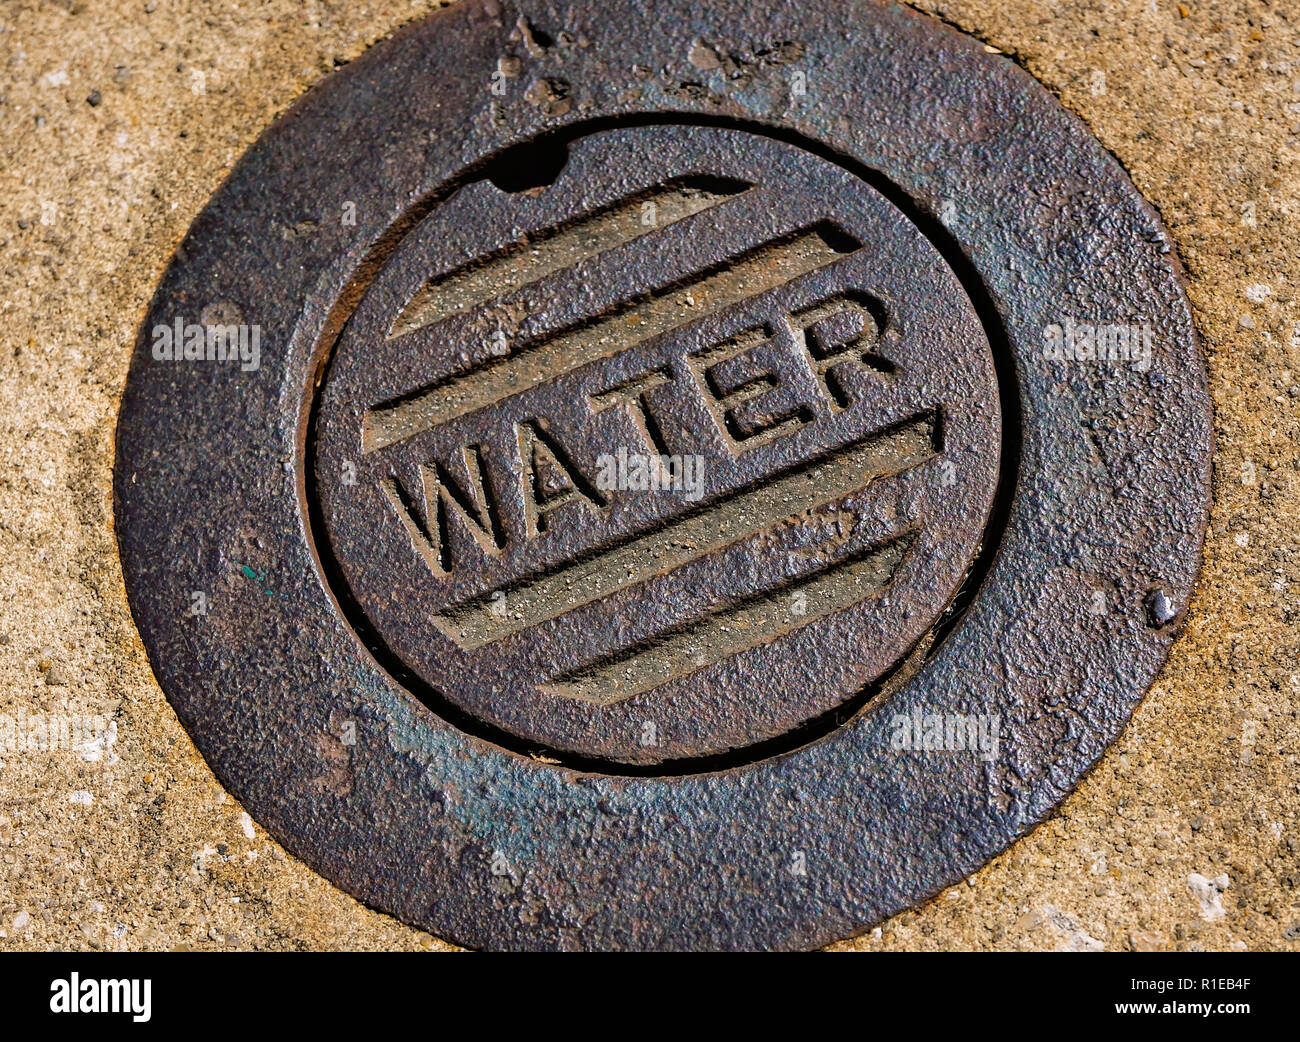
(674, 480)
(699, 453)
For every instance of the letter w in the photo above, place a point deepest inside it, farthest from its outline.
(444, 497)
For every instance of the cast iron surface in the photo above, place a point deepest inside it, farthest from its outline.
(719, 297)
(813, 246)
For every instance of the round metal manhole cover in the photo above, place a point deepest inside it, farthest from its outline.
(681, 479)
(673, 472)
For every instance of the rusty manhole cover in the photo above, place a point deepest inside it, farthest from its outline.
(677, 479)
(804, 370)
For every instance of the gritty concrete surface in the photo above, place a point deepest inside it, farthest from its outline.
(118, 119)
